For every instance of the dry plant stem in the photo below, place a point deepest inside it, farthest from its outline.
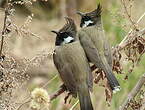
(74, 105)
(133, 93)
(4, 29)
(128, 15)
(141, 17)
(28, 100)
(48, 82)
(133, 36)
(128, 35)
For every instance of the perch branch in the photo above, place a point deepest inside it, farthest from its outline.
(62, 88)
(133, 93)
(58, 92)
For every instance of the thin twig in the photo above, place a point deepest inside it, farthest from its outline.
(132, 36)
(126, 37)
(141, 17)
(48, 82)
(128, 15)
(74, 105)
(27, 101)
(133, 93)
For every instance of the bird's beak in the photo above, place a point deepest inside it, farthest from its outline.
(80, 13)
(57, 33)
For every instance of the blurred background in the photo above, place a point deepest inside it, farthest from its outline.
(49, 15)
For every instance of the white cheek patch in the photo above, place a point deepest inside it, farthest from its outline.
(87, 23)
(68, 39)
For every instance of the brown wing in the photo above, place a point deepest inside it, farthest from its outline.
(90, 49)
(98, 58)
(94, 37)
(108, 53)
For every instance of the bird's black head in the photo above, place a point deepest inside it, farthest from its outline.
(66, 34)
(90, 18)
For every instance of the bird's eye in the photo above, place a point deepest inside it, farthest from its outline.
(86, 18)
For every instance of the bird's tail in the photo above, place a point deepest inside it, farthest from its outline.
(84, 98)
(113, 82)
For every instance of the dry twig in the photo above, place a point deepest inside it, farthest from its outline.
(58, 92)
(122, 43)
(133, 93)
(129, 38)
(128, 15)
(74, 105)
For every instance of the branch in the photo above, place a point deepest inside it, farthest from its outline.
(58, 92)
(133, 93)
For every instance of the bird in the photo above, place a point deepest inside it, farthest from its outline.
(72, 65)
(96, 46)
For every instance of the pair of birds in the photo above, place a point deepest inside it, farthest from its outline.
(75, 49)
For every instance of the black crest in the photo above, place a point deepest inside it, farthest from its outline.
(69, 29)
(95, 13)
(94, 16)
